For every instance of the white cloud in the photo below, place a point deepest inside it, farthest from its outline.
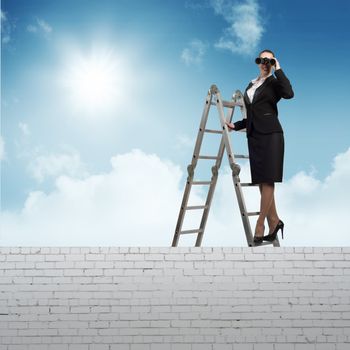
(24, 128)
(40, 26)
(183, 142)
(32, 29)
(44, 26)
(133, 204)
(2, 148)
(53, 165)
(245, 28)
(137, 203)
(6, 39)
(194, 53)
(6, 28)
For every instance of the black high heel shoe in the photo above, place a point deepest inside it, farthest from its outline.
(272, 236)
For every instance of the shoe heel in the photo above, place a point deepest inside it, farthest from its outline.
(282, 228)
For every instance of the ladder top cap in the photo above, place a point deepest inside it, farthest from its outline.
(214, 89)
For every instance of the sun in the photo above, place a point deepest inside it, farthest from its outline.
(94, 82)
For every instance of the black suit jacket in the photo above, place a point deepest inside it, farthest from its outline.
(262, 112)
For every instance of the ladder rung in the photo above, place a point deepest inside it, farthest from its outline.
(191, 231)
(213, 131)
(263, 243)
(207, 157)
(248, 184)
(190, 207)
(253, 213)
(229, 104)
(201, 182)
(266, 243)
(241, 156)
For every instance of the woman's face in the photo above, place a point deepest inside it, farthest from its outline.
(265, 69)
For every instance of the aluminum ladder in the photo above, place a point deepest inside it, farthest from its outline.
(214, 99)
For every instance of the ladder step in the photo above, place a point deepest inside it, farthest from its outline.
(263, 243)
(213, 131)
(248, 184)
(191, 231)
(191, 207)
(266, 243)
(241, 156)
(229, 104)
(252, 213)
(201, 182)
(207, 157)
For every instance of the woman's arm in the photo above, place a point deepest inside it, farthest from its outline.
(241, 124)
(283, 86)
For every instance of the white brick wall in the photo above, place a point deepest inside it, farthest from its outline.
(262, 298)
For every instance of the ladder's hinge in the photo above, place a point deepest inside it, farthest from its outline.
(214, 170)
(238, 96)
(214, 89)
(190, 171)
(236, 169)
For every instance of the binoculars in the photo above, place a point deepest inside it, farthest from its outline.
(265, 60)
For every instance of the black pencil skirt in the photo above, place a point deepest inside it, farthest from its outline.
(266, 152)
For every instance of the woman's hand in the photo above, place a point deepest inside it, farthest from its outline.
(277, 64)
(230, 126)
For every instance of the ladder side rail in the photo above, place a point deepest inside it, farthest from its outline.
(239, 96)
(215, 172)
(243, 210)
(208, 201)
(235, 173)
(201, 129)
(237, 184)
(191, 168)
(181, 216)
(230, 112)
(225, 136)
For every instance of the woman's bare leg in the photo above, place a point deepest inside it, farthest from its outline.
(267, 191)
(272, 216)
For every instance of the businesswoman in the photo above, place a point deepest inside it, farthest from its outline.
(265, 138)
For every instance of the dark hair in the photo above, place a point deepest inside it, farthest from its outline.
(266, 51)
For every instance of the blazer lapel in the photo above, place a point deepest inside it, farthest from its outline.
(261, 87)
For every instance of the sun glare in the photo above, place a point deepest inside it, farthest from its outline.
(94, 83)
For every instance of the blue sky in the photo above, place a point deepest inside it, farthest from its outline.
(152, 63)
